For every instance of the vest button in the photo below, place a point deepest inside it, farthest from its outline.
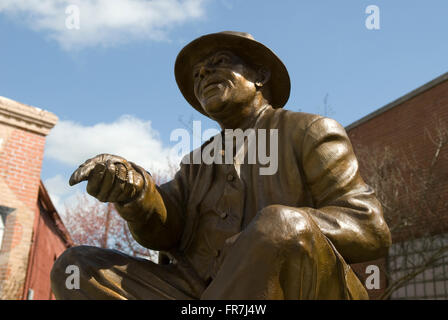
(230, 177)
(223, 215)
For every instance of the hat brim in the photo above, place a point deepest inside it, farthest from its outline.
(251, 51)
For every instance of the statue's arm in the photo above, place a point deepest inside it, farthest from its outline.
(156, 217)
(345, 207)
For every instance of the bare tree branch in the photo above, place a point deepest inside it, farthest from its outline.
(413, 204)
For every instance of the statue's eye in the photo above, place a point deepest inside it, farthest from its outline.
(196, 73)
(221, 60)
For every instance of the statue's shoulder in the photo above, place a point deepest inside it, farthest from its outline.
(295, 120)
(306, 121)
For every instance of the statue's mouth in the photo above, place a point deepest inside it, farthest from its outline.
(210, 85)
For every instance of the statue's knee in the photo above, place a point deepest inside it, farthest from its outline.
(284, 226)
(74, 256)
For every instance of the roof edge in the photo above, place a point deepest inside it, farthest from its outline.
(54, 215)
(429, 85)
(26, 117)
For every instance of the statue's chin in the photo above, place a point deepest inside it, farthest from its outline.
(214, 105)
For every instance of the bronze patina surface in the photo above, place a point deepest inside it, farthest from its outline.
(232, 233)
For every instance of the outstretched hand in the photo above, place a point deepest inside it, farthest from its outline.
(109, 178)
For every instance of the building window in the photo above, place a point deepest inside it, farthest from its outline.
(30, 295)
(2, 230)
(4, 211)
(428, 255)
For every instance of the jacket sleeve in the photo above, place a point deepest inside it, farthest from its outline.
(344, 206)
(156, 217)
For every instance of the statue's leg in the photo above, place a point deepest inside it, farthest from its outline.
(282, 254)
(110, 274)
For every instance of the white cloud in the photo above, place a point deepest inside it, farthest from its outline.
(103, 22)
(57, 185)
(63, 196)
(72, 144)
(58, 189)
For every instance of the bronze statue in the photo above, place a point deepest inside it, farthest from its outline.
(229, 231)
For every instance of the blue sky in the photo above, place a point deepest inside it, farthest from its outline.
(121, 63)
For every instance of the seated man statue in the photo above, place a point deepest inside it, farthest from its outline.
(230, 230)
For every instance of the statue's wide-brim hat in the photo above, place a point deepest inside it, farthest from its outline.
(242, 44)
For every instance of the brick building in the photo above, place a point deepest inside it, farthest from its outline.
(410, 129)
(50, 238)
(31, 232)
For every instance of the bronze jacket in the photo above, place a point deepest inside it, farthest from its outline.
(317, 172)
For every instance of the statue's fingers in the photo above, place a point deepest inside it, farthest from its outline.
(95, 179)
(82, 173)
(127, 194)
(84, 170)
(114, 159)
(119, 183)
(108, 182)
(121, 172)
(137, 181)
(127, 165)
(117, 190)
(130, 188)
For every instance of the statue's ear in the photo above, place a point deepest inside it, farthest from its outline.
(263, 76)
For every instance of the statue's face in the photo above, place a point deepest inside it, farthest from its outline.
(221, 79)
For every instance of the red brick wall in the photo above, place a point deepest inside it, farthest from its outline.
(20, 164)
(22, 138)
(47, 246)
(404, 128)
(21, 154)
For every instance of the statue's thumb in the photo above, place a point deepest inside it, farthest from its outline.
(76, 178)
